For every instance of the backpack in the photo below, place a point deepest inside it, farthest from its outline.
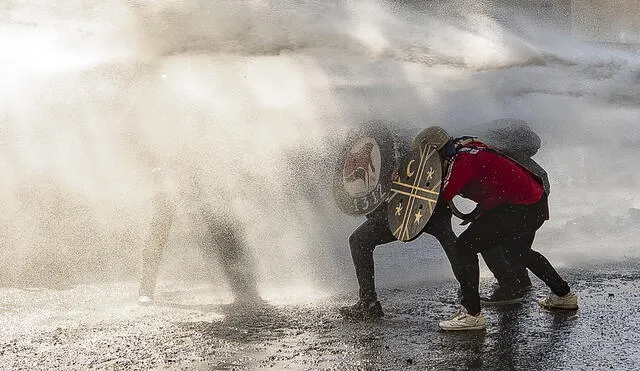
(514, 139)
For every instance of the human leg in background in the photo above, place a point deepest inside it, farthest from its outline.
(235, 258)
(520, 247)
(510, 275)
(162, 215)
(440, 227)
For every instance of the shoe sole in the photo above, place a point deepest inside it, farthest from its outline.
(502, 302)
(145, 300)
(464, 328)
(573, 307)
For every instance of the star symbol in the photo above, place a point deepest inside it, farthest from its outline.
(398, 209)
(430, 173)
(418, 216)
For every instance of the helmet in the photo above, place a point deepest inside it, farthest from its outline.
(433, 135)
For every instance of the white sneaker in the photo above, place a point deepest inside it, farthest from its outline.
(144, 299)
(462, 321)
(553, 301)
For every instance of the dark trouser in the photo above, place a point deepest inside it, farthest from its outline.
(225, 241)
(154, 244)
(512, 227)
(375, 231)
(235, 259)
(513, 254)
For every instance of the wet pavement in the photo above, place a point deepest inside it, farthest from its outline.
(132, 59)
(95, 327)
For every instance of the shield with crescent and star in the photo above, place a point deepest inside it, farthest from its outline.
(363, 171)
(414, 193)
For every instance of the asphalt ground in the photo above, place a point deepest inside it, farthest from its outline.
(102, 327)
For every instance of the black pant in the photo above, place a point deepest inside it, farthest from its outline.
(375, 231)
(512, 227)
(224, 239)
(228, 243)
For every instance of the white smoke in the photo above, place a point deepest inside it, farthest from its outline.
(247, 95)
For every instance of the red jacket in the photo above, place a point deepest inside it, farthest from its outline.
(489, 179)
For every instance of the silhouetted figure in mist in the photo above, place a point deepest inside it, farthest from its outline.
(222, 234)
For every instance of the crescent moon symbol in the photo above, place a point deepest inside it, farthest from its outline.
(409, 172)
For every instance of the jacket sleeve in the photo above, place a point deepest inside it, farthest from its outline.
(459, 173)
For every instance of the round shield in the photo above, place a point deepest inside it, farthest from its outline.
(414, 193)
(362, 176)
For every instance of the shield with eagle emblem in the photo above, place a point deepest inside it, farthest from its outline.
(414, 193)
(362, 176)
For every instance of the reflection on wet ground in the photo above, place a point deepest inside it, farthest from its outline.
(179, 335)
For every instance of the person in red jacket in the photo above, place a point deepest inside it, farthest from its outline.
(513, 206)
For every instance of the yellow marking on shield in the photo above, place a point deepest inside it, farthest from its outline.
(415, 187)
(414, 196)
(409, 172)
